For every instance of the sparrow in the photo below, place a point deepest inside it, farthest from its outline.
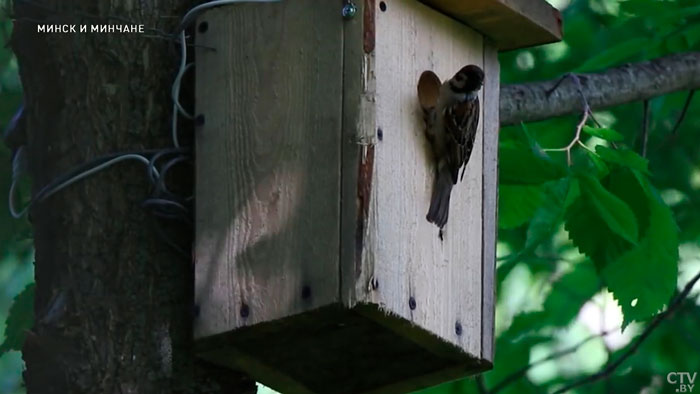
(451, 125)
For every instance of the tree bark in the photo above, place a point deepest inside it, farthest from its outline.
(530, 102)
(113, 303)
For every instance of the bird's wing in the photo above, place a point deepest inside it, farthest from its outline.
(430, 118)
(461, 121)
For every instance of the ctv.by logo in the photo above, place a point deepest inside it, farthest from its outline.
(685, 381)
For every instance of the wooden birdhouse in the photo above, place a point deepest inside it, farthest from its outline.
(316, 269)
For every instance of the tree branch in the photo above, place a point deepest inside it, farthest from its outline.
(610, 368)
(513, 377)
(530, 102)
(645, 129)
(683, 112)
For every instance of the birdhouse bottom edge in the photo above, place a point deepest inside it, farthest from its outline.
(334, 349)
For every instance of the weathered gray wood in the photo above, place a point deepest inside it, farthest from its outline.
(402, 250)
(490, 197)
(297, 188)
(334, 350)
(269, 81)
(355, 98)
(510, 24)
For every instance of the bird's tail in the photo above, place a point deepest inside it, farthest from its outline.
(440, 201)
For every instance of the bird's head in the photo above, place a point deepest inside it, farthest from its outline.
(468, 79)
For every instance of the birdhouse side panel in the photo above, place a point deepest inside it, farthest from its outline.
(490, 191)
(434, 282)
(269, 101)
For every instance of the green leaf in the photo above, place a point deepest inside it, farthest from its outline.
(520, 164)
(659, 11)
(19, 320)
(623, 183)
(604, 133)
(564, 301)
(615, 54)
(589, 233)
(588, 229)
(517, 204)
(667, 348)
(675, 15)
(643, 279)
(676, 43)
(645, 8)
(549, 215)
(600, 167)
(570, 293)
(511, 355)
(615, 213)
(623, 157)
(461, 386)
(692, 35)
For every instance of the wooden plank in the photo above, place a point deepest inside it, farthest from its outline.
(339, 351)
(269, 85)
(355, 100)
(510, 24)
(402, 251)
(490, 197)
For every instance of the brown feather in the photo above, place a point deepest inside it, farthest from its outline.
(461, 121)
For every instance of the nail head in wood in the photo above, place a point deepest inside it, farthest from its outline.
(412, 303)
(349, 10)
(203, 27)
(382, 6)
(245, 310)
(458, 328)
(306, 292)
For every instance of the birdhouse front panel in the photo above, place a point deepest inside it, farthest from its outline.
(428, 276)
(269, 92)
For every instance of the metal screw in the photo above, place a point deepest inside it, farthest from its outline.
(349, 10)
(305, 292)
(245, 310)
(458, 328)
(412, 303)
(199, 120)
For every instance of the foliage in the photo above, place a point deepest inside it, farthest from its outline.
(15, 247)
(19, 320)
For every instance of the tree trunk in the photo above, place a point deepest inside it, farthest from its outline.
(113, 303)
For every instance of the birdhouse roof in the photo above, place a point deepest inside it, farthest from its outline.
(510, 24)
